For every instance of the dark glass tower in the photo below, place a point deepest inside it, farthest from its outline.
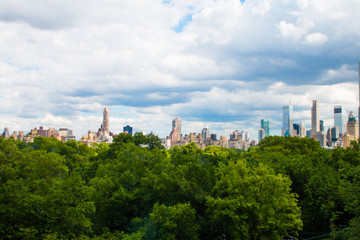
(128, 129)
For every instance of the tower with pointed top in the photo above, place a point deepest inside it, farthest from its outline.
(288, 128)
(352, 126)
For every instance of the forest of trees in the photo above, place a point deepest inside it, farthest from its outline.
(285, 188)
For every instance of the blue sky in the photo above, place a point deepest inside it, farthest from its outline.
(225, 63)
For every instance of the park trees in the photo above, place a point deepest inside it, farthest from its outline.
(126, 190)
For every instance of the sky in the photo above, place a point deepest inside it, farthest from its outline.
(226, 64)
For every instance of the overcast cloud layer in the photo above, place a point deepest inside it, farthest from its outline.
(224, 63)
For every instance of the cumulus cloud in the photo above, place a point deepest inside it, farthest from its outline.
(230, 64)
(316, 38)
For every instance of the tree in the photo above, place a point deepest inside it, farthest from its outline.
(252, 204)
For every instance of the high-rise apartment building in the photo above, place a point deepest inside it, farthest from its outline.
(244, 136)
(287, 129)
(261, 134)
(322, 126)
(234, 136)
(338, 122)
(213, 136)
(302, 132)
(42, 132)
(296, 129)
(315, 121)
(265, 124)
(334, 133)
(176, 123)
(106, 120)
(128, 129)
(308, 133)
(6, 133)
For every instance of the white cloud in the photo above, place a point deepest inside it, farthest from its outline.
(62, 61)
(316, 38)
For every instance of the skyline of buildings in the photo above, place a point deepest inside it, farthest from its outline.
(316, 131)
(237, 139)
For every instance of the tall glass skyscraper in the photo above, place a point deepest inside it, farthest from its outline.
(265, 124)
(287, 129)
(338, 118)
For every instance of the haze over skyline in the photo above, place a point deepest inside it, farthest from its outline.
(225, 64)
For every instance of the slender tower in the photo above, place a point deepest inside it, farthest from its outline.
(315, 121)
(176, 123)
(106, 122)
(288, 127)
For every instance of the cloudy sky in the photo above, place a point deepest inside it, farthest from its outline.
(223, 63)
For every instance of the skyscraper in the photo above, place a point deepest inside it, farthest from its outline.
(6, 133)
(213, 136)
(315, 121)
(176, 123)
(338, 118)
(296, 129)
(334, 134)
(322, 126)
(261, 134)
(106, 120)
(287, 129)
(265, 124)
(302, 132)
(352, 126)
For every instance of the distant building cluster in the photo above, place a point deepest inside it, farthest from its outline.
(63, 134)
(335, 136)
(239, 140)
(103, 135)
(332, 137)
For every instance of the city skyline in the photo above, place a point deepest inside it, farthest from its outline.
(224, 64)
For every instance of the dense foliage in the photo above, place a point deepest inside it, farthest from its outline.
(134, 189)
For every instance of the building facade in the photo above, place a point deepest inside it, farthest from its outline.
(302, 130)
(296, 129)
(352, 126)
(205, 133)
(265, 124)
(261, 134)
(287, 129)
(338, 121)
(128, 129)
(106, 120)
